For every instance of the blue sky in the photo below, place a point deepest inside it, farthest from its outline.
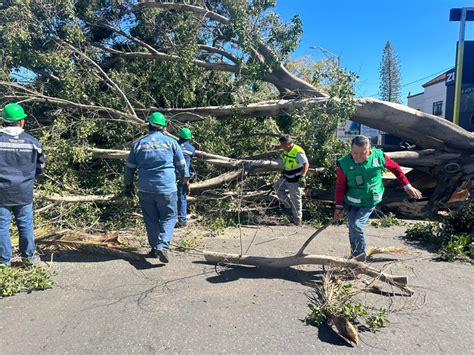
(356, 30)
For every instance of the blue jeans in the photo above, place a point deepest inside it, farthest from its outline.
(159, 214)
(182, 204)
(358, 217)
(24, 222)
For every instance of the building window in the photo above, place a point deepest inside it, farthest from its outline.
(438, 108)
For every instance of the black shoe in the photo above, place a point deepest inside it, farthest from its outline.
(361, 257)
(163, 255)
(153, 253)
(297, 222)
(180, 224)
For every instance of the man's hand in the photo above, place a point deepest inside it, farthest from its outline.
(187, 187)
(302, 182)
(412, 192)
(338, 214)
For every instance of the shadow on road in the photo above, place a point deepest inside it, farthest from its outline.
(231, 273)
(328, 335)
(81, 257)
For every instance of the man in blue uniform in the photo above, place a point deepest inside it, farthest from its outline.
(188, 149)
(21, 160)
(159, 161)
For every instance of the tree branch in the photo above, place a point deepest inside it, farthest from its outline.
(107, 78)
(32, 95)
(258, 109)
(169, 57)
(220, 51)
(279, 75)
(284, 262)
(176, 6)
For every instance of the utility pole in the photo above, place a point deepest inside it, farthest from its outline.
(462, 15)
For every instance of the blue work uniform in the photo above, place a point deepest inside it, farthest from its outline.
(159, 161)
(188, 152)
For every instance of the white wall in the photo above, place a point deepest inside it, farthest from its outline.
(417, 102)
(432, 93)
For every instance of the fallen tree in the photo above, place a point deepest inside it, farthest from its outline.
(85, 67)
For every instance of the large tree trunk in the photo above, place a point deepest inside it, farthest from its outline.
(447, 150)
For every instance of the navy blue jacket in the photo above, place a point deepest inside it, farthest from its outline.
(21, 159)
(188, 152)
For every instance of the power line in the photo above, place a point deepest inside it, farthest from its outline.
(418, 80)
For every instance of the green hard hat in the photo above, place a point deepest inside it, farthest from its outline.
(185, 133)
(13, 112)
(157, 118)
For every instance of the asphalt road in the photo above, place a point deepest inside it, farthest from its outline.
(101, 305)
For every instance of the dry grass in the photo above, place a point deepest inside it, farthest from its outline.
(387, 250)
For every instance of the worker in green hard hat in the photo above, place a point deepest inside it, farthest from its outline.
(185, 136)
(160, 162)
(21, 160)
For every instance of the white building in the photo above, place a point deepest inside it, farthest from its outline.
(433, 99)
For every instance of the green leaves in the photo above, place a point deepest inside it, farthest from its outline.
(377, 320)
(13, 280)
(333, 299)
(386, 221)
(453, 237)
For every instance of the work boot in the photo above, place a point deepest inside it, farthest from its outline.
(180, 224)
(163, 255)
(153, 253)
(361, 257)
(297, 222)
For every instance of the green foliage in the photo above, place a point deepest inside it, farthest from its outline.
(336, 299)
(378, 320)
(452, 238)
(316, 212)
(460, 245)
(218, 222)
(315, 126)
(190, 241)
(353, 311)
(13, 280)
(386, 221)
(423, 232)
(317, 316)
(36, 39)
(463, 219)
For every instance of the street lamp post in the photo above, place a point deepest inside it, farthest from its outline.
(463, 14)
(328, 54)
